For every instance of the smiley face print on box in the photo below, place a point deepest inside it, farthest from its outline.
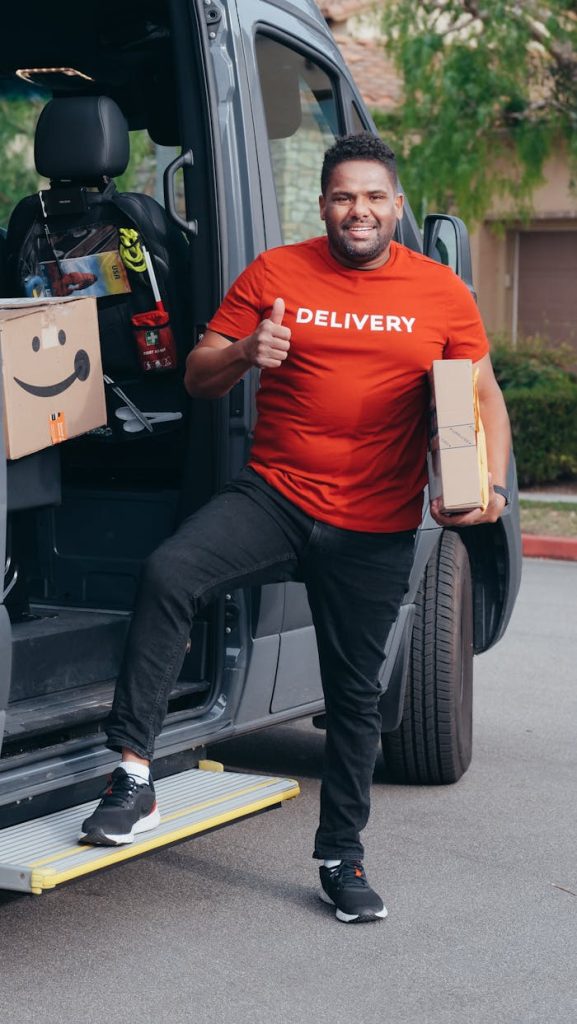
(52, 374)
(49, 338)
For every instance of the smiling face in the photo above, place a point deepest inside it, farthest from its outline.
(360, 209)
(81, 367)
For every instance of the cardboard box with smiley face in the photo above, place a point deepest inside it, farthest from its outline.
(51, 372)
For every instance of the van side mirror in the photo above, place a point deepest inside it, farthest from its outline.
(446, 240)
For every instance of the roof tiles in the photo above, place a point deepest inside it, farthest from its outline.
(373, 71)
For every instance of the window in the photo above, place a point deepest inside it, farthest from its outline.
(20, 107)
(358, 124)
(302, 122)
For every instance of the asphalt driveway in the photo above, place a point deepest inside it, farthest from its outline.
(480, 880)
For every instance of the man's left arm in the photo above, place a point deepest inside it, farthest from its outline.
(498, 434)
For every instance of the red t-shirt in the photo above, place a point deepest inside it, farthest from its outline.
(342, 424)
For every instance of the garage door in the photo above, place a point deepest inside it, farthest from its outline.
(548, 284)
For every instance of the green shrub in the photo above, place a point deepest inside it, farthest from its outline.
(544, 425)
(541, 396)
(531, 363)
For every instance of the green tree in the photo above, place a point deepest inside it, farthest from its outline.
(490, 89)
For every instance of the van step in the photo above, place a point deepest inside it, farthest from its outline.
(41, 854)
(84, 705)
(60, 649)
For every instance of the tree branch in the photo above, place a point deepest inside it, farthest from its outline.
(562, 53)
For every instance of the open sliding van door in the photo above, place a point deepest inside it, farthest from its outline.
(247, 224)
(301, 99)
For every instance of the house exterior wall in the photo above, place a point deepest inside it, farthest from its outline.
(495, 250)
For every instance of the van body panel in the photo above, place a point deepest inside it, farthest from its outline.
(298, 678)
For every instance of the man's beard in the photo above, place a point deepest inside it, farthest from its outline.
(347, 248)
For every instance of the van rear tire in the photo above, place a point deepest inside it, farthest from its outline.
(433, 744)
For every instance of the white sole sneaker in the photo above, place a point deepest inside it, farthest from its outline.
(98, 837)
(351, 918)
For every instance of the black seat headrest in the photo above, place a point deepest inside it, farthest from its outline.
(81, 139)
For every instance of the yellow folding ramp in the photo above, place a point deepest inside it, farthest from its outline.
(41, 854)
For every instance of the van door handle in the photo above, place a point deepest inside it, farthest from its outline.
(184, 160)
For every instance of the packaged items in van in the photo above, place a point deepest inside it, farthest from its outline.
(84, 259)
(51, 371)
(102, 273)
(457, 458)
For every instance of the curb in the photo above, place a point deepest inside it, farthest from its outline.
(537, 546)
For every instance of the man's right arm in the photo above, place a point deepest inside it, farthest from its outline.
(216, 364)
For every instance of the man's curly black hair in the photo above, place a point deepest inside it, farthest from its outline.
(363, 146)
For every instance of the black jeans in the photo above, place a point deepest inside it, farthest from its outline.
(250, 535)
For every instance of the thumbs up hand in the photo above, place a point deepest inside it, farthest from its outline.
(269, 345)
(277, 312)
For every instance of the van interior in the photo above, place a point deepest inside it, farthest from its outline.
(83, 515)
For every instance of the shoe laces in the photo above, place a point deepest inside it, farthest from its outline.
(119, 786)
(351, 873)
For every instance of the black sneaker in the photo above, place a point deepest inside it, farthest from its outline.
(126, 808)
(347, 888)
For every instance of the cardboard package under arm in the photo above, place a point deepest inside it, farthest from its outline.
(457, 461)
(51, 371)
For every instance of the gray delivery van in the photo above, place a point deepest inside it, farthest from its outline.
(228, 107)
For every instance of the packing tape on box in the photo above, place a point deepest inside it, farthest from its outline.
(462, 435)
(481, 445)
